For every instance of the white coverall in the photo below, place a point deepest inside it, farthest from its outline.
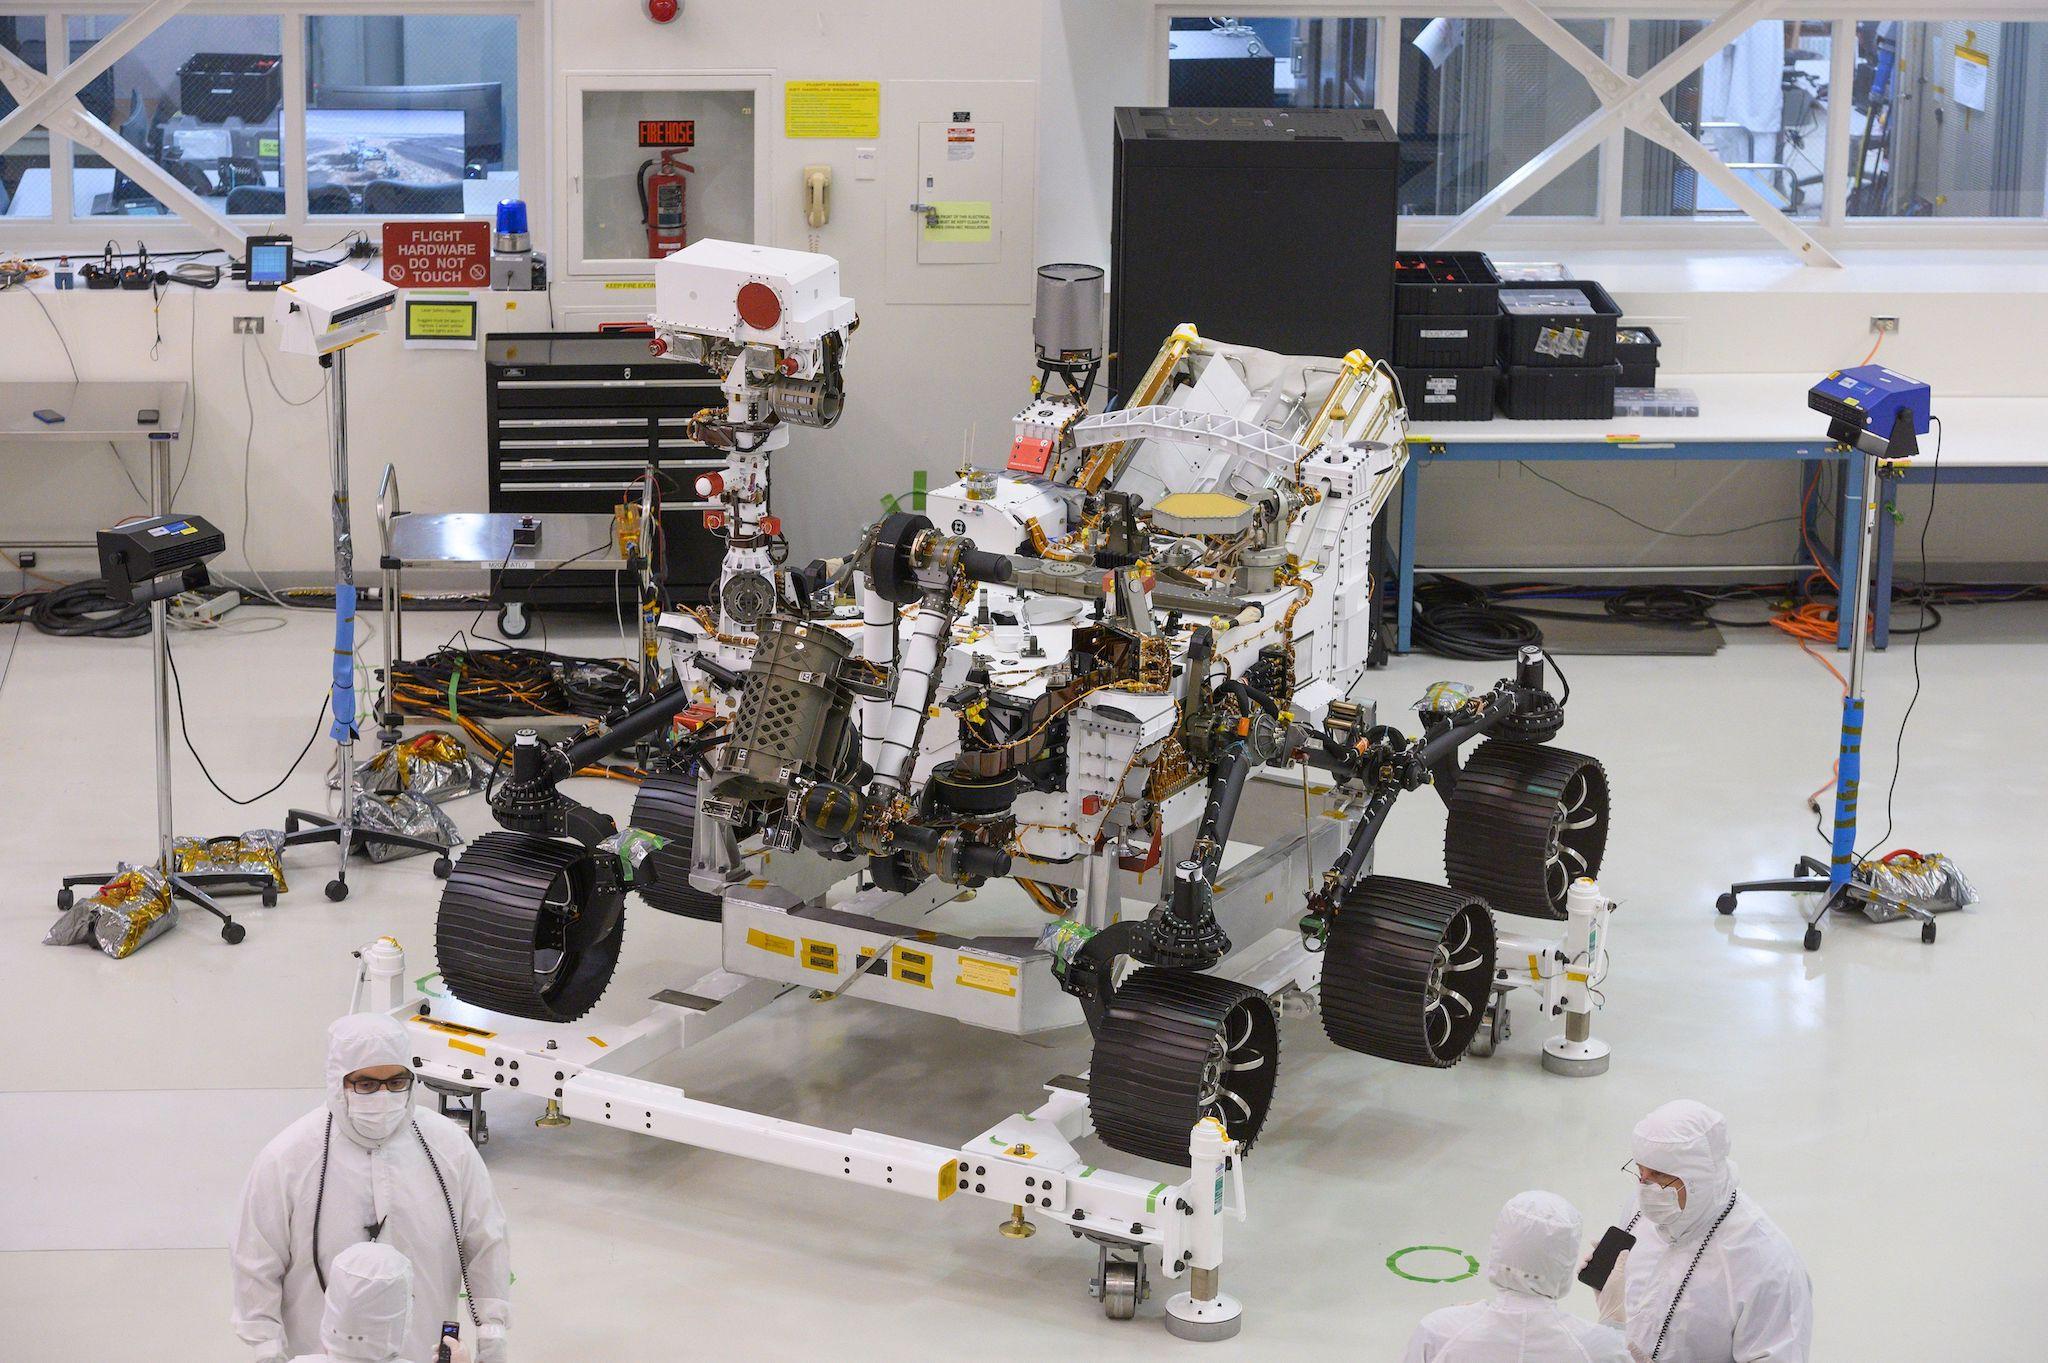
(1533, 1259)
(368, 1307)
(278, 1298)
(1749, 1300)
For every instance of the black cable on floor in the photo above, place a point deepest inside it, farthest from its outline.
(178, 687)
(1454, 619)
(77, 610)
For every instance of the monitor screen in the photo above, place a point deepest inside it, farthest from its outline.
(412, 146)
(201, 144)
(270, 264)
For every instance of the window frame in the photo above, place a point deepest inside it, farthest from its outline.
(64, 231)
(1610, 227)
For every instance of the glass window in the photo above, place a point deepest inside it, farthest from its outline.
(25, 166)
(1231, 63)
(1949, 120)
(1479, 99)
(200, 97)
(662, 168)
(411, 116)
(1759, 104)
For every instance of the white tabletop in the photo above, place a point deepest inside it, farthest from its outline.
(93, 412)
(1771, 408)
(32, 195)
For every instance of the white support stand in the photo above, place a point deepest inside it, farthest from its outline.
(1026, 1163)
(1565, 977)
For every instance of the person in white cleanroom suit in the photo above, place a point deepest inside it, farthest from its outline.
(369, 1309)
(1711, 1279)
(1532, 1260)
(362, 1167)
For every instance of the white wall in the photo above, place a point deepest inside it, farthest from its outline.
(922, 376)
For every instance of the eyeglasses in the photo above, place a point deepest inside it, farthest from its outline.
(363, 1084)
(1642, 1175)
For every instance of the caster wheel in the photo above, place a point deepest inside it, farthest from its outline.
(231, 933)
(1726, 903)
(1812, 940)
(514, 622)
(442, 866)
(337, 890)
(65, 898)
(1120, 1290)
(270, 896)
(1927, 933)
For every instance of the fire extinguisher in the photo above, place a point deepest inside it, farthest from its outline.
(661, 202)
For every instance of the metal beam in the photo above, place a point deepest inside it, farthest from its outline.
(86, 131)
(1618, 109)
(40, 107)
(1660, 127)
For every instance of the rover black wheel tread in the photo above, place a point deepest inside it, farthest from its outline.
(502, 941)
(1407, 971)
(667, 807)
(1175, 1046)
(1526, 820)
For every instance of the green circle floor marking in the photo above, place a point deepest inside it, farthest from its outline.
(1394, 1264)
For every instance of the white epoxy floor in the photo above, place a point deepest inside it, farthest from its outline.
(1886, 1097)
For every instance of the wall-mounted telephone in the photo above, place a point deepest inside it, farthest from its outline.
(817, 195)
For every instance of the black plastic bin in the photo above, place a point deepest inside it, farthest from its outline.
(1636, 348)
(1578, 332)
(1446, 342)
(1449, 394)
(1555, 393)
(1445, 284)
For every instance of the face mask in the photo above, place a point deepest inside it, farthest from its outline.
(377, 1116)
(1658, 1203)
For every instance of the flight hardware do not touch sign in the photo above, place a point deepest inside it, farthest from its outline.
(441, 254)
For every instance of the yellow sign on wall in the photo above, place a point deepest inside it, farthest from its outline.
(959, 220)
(832, 108)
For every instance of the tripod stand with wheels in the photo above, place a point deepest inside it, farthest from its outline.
(302, 826)
(191, 886)
(1857, 401)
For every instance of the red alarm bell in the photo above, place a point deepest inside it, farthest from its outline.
(663, 11)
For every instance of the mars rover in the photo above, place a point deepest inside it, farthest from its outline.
(1064, 674)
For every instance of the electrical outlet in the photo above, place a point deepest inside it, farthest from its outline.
(248, 326)
(1885, 326)
(28, 559)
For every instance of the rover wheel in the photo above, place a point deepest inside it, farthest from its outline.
(1525, 822)
(667, 807)
(1407, 970)
(1175, 1047)
(528, 926)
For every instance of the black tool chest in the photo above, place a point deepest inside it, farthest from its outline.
(573, 419)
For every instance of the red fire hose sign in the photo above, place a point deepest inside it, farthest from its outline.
(437, 255)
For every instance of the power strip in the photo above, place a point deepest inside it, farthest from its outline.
(212, 608)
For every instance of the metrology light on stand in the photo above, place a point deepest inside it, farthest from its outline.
(322, 315)
(1880, 414)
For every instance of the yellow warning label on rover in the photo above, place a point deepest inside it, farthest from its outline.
(820, 955)
(993, 976)
(911, 967)
(768, 941)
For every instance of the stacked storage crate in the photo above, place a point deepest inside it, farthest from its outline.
(1558, 350)
(1446, 334)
